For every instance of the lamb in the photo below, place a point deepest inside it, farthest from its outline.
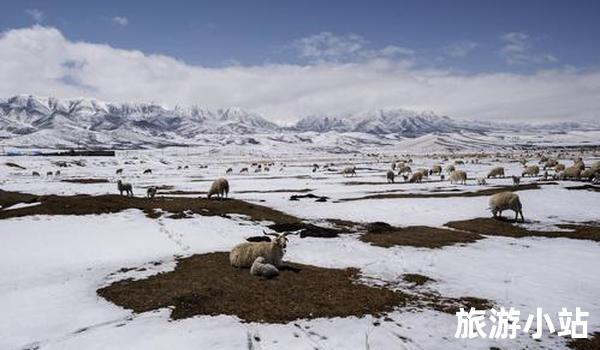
(436, 169)
(458, 176)
(532, 170)
(244, 254)
(506, 201)
(125, 187)
(481, 181)
(151, 192)
(516, 180)
(259, 268)
(571, 172)
(119, 171)
(390, 176)
(416, 177)
(220, 188)
(148, 171)
(497, 171)
(450, 168)
(349, 171)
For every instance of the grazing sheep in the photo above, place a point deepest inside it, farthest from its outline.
(148, 171)
(244, 255)
(532, 170)
(35, 173)
(458, 176)
(495, 172)
(220, 188)
(120, 171)
(259, 268)
(244, 170)
(506, 201)
(125, 187)
(481, 181)
(349, 171)
(516, 180)
(229, 171)
(436, 169)
(49, 173)
(151, 192)
(404, 169)
(390, 176)
(416, 177)
(423, 171)
(571, 172)
(450, 168)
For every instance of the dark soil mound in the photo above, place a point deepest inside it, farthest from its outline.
(306, 230)
(14, 165)
(382, 234)
(591, 343)
(85, 181)
(207, 285)
(504, 227)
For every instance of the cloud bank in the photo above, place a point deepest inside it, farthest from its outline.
(40, 60)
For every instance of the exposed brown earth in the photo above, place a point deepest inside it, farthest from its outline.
(584, 187)
(103, 204)
(384, 235)
(207, 285)
(504, 227)
(591, 343)
(14, 165)
(85, 181)
(451, 193)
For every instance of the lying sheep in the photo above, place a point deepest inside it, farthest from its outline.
(532, 170)
(151, 192)
(458, 176)
(416, 177)
(147, 171)
(506, 201)
(259, 268)
(125, 187)
(495, 172)
(220, 188)
(244, 255)
(572, 172)
(390, 176)
(516, 180)
(119, 171)
(349, 171)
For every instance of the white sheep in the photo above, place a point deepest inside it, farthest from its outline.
(259, 268)
(506, 201)
(416, 177)
(559, 167)
(497, 171)
(244, 255)
(220, 188)
(571, 172)
(532, 170)
(125, 187)
(458, 176)
(390, 176)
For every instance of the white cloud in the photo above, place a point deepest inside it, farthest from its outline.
(37, 15)
(517, 50)
(461, 48)
(326, 46)
(39, 60)
(122, 21)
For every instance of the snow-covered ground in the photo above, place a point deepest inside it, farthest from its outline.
(51, 266)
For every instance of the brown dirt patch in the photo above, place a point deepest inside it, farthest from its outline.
(383, 235)
(416, 279)
(591, 343)
(504, 227)
(14, 165)
(584, 187)
(207, 285)
(182, 192)
(296, 197)
(85, 205)
(8, 199)
(451, 193)
(306, 229)
(86, 181)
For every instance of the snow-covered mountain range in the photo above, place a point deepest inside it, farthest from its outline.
(30, 121)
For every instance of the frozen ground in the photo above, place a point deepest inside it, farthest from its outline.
(51, 266)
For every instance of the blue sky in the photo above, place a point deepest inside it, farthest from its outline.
(465, 35)
(535, 60)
